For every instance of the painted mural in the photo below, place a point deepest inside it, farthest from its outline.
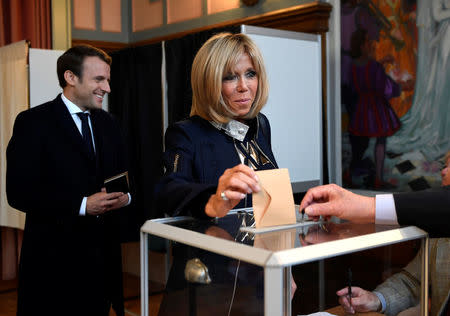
(395, 77)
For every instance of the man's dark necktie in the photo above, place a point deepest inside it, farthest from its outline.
(86, 131)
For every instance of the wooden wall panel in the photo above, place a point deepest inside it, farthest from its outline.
(84, 14)
(111, 16)
(216, 6)
(146, 14)
(308, 18)
(183, 10)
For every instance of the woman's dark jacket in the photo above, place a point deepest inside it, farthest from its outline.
(196, 155)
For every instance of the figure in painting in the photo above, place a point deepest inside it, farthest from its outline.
(354, 16)
(368, 96)
(406, 158)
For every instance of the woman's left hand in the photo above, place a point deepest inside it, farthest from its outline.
(233, 186)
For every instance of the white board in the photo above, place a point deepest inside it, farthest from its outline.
(44, 84)
(294, 107)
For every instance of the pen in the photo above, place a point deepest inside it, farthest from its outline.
(350, 286)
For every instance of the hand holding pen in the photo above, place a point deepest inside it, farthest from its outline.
(360, 300)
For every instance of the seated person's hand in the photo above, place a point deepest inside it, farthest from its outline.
(233, 186)
(361, 301)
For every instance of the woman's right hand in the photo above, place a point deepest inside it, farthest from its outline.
(233, 184)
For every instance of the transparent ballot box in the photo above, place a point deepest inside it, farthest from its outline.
(224, 266)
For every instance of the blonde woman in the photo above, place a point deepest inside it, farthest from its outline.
(210, 163)
(210, 158)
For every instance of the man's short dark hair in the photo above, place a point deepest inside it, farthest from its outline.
(73, 59)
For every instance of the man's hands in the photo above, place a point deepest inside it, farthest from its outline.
(332, 200)
(102, 202)
(234, 183)
(361, 301)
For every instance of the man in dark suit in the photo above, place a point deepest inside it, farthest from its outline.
(429, 210)
(58, 157)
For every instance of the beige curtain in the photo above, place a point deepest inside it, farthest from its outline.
(13, 99)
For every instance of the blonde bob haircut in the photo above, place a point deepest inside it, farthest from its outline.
(215, 59)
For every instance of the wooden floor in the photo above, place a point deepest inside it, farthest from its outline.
(8, 297)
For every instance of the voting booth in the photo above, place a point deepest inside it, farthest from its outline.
(223, 267)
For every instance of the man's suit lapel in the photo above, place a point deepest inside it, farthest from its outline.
(65, 122)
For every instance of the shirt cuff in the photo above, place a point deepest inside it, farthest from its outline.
(382, 300)
(385, 213)
(129, 199)
(83, 207)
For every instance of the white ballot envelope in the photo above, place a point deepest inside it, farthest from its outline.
(274, 204)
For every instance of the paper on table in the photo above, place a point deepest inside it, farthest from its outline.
(274, 204)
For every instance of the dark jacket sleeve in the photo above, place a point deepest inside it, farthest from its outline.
(179, 193)
(26, 178)
(428, 210)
